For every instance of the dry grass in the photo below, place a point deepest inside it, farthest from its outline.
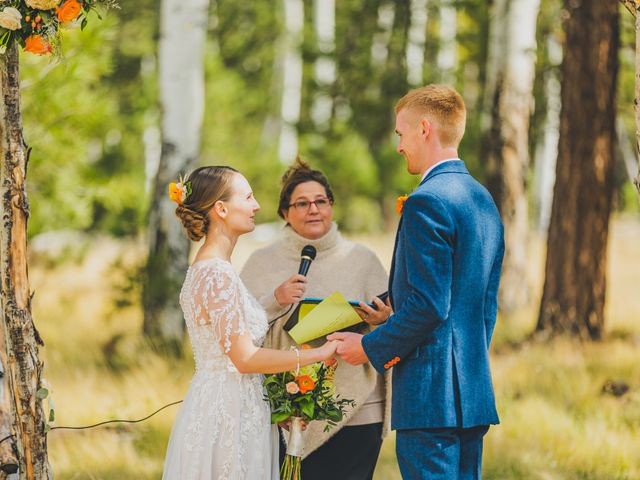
(556, 422)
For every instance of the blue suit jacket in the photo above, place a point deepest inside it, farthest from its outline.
(443, 288)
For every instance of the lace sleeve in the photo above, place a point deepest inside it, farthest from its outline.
(221, 304)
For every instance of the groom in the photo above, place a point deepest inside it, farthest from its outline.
(443, 289)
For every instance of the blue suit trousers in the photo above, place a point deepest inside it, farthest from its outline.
(440, 453)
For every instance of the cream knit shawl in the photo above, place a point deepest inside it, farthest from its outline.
(340, 265)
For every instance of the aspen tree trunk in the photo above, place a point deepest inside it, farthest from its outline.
(389, 53)
(634, 7)
(324, 71)
(381, 39)
(637, 99)
(292, 80)
(573, 297)
(508, 104)
(417, 38)
(25, 451)
(546, 152)
(625, 150)
(447, 54)
(183, 31)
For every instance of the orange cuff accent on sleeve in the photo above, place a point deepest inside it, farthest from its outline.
(391, 362)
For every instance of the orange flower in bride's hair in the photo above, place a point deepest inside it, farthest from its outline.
(400, 203)
(38, 45)
(69, 11)
(179, 191)
(175, 192)
(306, 383)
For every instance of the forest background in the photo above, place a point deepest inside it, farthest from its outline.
(570, 406)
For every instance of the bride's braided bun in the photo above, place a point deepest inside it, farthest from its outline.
(195, 223)
(208, 186)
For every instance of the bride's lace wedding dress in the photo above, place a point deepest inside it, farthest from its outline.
(223, 429)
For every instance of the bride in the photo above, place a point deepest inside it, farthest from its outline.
(223, 429)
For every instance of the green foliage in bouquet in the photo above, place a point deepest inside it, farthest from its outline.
(310, 395)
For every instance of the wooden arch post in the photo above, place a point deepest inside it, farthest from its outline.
(22, 422)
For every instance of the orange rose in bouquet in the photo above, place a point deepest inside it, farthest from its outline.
(306, 394)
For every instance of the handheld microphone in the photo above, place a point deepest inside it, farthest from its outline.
(307, 255)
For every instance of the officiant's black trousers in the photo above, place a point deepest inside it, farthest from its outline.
(351, 454)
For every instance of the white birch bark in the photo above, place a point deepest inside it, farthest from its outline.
(151, 139)
(634, 8)
(381, 39)
(416, 42)
(626, 150)
(23, 447)
(447, 51)
(292, 80)
(183, 28)
(508, 106)
(546, 152)
(324, 20)
(637, 99)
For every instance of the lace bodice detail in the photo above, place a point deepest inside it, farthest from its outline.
(216, 307)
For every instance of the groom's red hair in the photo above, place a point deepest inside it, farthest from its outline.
(440, 104)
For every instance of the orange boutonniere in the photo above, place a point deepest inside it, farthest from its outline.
(400, 203)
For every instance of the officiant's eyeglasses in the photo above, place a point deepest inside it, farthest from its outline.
(304, 205)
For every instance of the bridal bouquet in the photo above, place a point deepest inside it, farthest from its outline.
(304, 395)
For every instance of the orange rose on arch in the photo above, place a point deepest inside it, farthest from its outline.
(305, 383)
(69, 11)
(38, 45)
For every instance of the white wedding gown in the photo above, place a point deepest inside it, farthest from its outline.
(223, 429)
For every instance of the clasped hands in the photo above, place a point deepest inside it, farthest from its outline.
(350, 344)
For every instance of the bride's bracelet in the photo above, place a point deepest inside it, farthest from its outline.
(295, 349)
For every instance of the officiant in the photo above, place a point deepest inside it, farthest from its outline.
(350, 450)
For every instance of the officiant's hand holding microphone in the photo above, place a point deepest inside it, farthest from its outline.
(292, 289)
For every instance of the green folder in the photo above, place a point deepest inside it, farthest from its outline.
(314, 318)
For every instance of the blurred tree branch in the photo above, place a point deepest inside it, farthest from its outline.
(632, 6)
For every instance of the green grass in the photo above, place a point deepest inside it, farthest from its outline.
(556, 421)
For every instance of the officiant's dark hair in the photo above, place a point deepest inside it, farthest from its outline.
(208, 185)
(300, 172)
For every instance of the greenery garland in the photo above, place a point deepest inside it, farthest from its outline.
(35, 24)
